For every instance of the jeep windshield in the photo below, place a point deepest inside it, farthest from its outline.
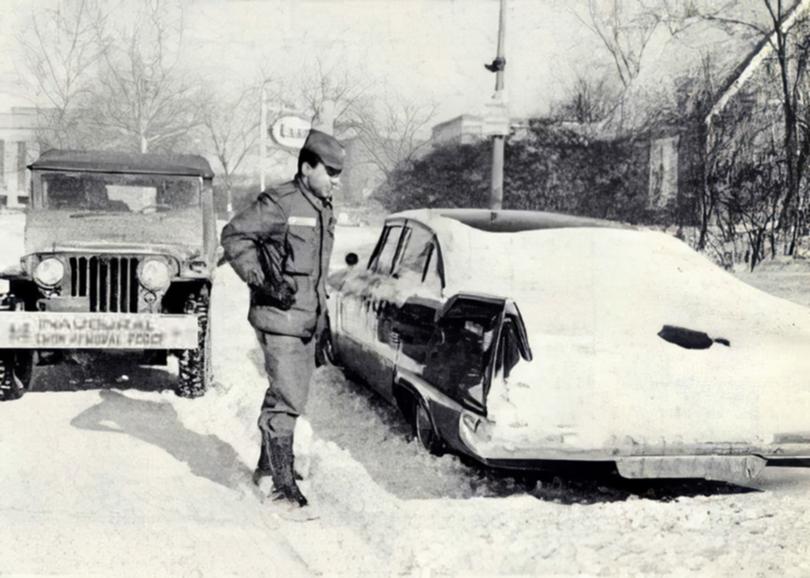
(83, 193)
(92, 210)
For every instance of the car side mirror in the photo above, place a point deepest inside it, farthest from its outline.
(352, 259)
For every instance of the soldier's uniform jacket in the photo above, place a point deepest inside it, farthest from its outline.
(299, 228)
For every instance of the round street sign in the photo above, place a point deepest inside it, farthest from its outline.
(290, 131)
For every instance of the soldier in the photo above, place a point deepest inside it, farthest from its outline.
(280, 246)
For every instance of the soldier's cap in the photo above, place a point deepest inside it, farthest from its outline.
(327, 147)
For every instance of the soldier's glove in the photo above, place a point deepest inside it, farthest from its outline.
(285, 294)
(276, 289)
(276, 293)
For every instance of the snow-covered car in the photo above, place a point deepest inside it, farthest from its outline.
(527, 340)
(119, 254)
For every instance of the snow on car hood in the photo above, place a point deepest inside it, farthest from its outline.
(594, 300)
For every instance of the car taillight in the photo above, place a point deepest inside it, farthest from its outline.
(477, 425)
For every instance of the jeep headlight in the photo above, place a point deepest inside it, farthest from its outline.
(49, 272)
(154, 275)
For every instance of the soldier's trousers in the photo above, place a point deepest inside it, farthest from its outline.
(289, 362)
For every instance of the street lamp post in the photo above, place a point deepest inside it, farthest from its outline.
(262, 137)
(498, 140)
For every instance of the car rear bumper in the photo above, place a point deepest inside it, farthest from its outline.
(735, 462)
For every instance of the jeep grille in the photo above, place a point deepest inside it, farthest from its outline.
(110, 283)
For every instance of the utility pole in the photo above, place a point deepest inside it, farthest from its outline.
(262, 138)
(499, 138)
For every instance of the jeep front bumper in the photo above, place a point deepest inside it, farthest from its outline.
(72, 330)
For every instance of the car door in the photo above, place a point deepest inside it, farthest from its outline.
(467, 347)
(364, 347)
(461, 349)
(419, 280)
(475, 339)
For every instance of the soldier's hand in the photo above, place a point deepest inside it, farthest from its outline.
(255, 277)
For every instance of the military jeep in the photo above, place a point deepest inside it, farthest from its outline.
(119, 257)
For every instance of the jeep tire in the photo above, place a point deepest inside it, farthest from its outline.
(194, 365)
(15, 373)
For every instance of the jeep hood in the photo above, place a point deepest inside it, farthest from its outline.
(177, 232)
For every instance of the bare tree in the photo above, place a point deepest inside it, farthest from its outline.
(144, 100)
(393, 130)
(624, 28)
(748, 193)
(327, 84)
(784, 28)
(589, 100)
(61, 49)
(230, 124)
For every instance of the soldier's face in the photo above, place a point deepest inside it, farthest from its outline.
(321, 180)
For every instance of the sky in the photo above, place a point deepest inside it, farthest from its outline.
(427, 51)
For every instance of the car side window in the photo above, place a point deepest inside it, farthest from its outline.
(432, 278)
(385, 257)
(415, 254)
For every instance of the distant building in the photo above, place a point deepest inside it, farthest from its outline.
(463, 129)
(18, 147)
(469, 129)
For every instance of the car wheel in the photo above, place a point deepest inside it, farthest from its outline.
(424, 430)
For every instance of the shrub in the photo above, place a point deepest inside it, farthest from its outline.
(552, 169)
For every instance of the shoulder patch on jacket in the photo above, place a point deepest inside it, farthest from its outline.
(302, 221)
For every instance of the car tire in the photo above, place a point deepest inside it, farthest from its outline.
(195, 364)
(424, 430)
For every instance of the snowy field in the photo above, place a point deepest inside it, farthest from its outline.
(105, 471)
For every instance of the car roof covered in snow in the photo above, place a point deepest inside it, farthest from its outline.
(122, 162)
(504, 221)
(486, 250)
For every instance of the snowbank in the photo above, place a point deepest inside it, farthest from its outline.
(389, 509)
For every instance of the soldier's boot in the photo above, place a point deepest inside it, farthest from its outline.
(282, 460)
(264, 468)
